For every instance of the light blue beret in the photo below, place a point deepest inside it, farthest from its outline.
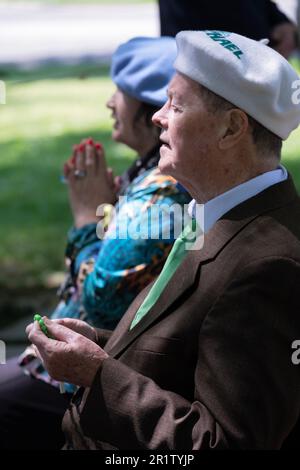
(143, 67)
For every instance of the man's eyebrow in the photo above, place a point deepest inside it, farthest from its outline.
(170, 92)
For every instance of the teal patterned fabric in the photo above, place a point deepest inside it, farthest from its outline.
(122, 267)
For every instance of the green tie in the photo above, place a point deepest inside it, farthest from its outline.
(174, 259)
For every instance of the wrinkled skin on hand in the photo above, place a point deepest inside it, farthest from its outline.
(73, 356)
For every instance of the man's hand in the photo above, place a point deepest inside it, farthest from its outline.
(81, 327)
(284, 38)
(70, 357)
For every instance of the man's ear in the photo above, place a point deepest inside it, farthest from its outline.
(235, 126)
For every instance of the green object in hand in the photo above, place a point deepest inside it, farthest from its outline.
(43, 327)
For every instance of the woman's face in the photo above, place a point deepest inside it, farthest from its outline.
(124, 109)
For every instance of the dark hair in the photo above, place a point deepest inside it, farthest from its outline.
(266, 142)
(146, 111)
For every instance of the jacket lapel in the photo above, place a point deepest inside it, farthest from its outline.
(214, 242)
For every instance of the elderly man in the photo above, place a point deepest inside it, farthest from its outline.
(203, 358)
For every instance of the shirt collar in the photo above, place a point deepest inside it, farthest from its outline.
(214, 209)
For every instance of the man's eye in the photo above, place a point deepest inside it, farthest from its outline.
(175, 108)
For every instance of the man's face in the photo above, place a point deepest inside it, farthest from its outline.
(189, 134)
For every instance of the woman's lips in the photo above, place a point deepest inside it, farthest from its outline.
(116, 122)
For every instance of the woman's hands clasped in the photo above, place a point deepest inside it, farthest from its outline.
(89, 180)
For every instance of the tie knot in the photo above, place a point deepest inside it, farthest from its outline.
(189, 233)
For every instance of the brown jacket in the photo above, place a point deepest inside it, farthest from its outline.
(210, 365)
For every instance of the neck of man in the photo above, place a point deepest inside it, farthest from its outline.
(236, 171)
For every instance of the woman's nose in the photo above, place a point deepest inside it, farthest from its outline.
(110, 103)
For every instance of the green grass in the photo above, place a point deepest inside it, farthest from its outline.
(46, 112)
(291, 156)
(291, 147)
(41, 121)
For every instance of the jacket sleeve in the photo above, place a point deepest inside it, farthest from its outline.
(102, 336)
(246, 388)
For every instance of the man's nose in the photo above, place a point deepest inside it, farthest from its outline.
(159, 118)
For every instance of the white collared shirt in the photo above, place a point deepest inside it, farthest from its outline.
(220, 205)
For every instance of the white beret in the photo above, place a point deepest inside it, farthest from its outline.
(245, 72)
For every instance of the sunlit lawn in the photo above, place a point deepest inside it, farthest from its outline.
(39, 124)
(43, 117)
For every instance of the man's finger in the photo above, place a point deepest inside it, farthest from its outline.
(71, 323)
(37, 337)
(37, 352)
(29, 328)
(60, 332)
